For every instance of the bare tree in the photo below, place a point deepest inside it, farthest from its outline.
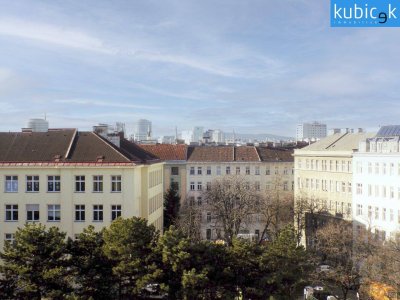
(276, 209)
(189, 220)
(232, 202)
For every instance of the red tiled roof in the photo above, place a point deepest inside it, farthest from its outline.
(273, 155)
(167, 151)
(246, 153)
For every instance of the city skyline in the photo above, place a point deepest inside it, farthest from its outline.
(260, 68)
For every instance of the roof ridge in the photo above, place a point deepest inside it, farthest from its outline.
(71, 143)
(338, 139)
(111, 145)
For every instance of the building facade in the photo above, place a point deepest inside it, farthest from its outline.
(262, 168)
(72, 179)
(311, 131)
(376, 176)
(142, 130)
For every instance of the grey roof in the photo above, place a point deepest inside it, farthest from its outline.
(390, 130)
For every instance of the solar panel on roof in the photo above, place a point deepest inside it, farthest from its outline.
(391, 130)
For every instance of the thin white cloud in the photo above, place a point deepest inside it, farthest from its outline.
(104, 104)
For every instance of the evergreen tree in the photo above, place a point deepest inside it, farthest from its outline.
(130, 243)
(171, 206)
(36, 263)
(92, 269)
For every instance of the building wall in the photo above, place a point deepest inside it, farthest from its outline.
(309, 131)
(134, 196)
(376, 197)
(281, 172)
(179, 179)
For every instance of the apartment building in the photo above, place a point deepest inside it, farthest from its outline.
(263, 168)
(376, 176)
(73, 179)
(174, 157)
(323, 173)
(311, 131)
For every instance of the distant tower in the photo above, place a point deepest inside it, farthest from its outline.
(38, 125)
(142, 130)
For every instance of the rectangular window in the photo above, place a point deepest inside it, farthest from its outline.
(268, 186)
(53, 213)
(237, 170)
(218, 170)
(11, 184)
(192, 186)
(98, 183)
(208, 170)
(257, 185)
(370, 212)
(199, 171)
(376, 168)
(267, 171)
(343, 187)
(383, 214)
(199, 186)
(285, 186)
(349, 187)
(191, 170)
(208, 186)
(376, 213)
(32, 212)
(80, 213)
(359, 188)
(369, 168)
(285, 171)
(349, 209)
(116, 211)
(98, 213)
(208, 234)
(276, 170)
(53, 183)
(199, 201)
(299, 164)
(208, 217)
(174, 171)
(228, 170)
(9, 238)
(247, 170)
(116, 183)
(12, 212)
(32, 183)
(257, 170)
(369, 190)
(79, 184)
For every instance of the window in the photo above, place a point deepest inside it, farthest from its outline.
(376, 168)
(192, 186)
(199, 171)
(174, 171)
(257, 170)
(349, 187)
(369, 190)
(115, 211)
(228, 170)
(208, 217)
(237, 170)
(208, 186)
(307, 164)
(376, 213)
(79, 213)
(359, 210)
(267, 171)
(32, 183)
(191, 170)
(199, 201)
(299, 164)
(369, 168)
(349, 209)
(32, 212)
(285, 186)
(208, 234)
(218, 170)
(98, 213)
(98, 183)
(199, 186)
(391, 215)
(11, 212)
(276, 170)
(247, 170)
(384, 169)
(175, 185)
(53, 183)
(116, 183)
(391, 192)
(370, 212)
(257, 185)
(359, 188)
(9, 238)
(268, 186)
(79, 183)
(383, 214)
(208, 170)
(53, 212)
(11, 184)
(343, 187)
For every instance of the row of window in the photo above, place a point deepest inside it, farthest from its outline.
(378, 168)
(217, 234)
(237, 171)
(32, 183)
(325, 185)
(379, 191)
(257, 186)
(54, 212)
(325, 165)
(377, 213)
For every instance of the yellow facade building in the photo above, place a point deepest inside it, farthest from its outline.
(72, 179)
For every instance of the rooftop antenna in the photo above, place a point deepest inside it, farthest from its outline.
(176, 134)
(45, 117)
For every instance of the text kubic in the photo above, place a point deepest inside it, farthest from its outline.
(358, 12)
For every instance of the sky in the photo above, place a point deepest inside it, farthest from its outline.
(259, 66)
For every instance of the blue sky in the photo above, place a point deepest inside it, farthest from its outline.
(253, 66)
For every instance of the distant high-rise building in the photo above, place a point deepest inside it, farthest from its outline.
(218, 136)
(38, 125)
(142, 130)
(311, 131)
(198, 134)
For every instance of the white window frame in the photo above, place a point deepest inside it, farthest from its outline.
(53, 213)
(55, 180)
(32, 212)
(116, 211)
(116, 183)
(11, 183)
(32, 183)
(11, 213)
(98, 213)
(98, 184)
(80, 213)
(80, 183)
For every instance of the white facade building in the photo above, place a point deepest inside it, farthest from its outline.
(218, 136)
(376, 177)
(142, 130)
(310, 131)
(38, 125)
(198, 134)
